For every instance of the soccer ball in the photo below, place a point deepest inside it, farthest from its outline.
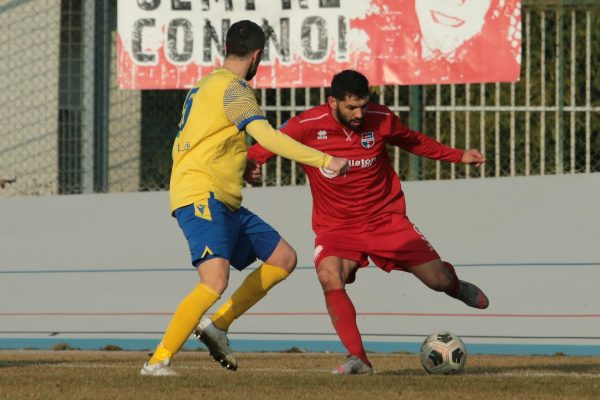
(443, 353)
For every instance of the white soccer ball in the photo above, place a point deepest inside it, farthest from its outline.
(443, 353)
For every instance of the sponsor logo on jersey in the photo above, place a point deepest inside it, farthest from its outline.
(321, 135)
(362, 163)
(367, 139)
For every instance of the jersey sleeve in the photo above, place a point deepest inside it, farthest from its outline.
(279, 143)
(291, 127)
(422, 145)
(240, 104)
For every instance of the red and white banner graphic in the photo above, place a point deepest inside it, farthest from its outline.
(168, 44)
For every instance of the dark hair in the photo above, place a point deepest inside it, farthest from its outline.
(349, 83)
(243, 38)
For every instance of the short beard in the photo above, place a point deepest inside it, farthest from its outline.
(252, 71)
(346, 122)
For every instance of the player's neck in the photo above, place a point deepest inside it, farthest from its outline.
(238, 66)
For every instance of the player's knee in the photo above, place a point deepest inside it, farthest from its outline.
(324, 278)
(284, 257)
(329, 279)
(440, 282)
(289, 259)
(221, 287)
(214, 273)
(217, 283)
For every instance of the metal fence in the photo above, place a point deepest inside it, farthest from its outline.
(67, 128)
(547, 123)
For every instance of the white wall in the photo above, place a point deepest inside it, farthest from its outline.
(114, 267)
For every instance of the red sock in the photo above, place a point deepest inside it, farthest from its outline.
(343, 316)
(454, 290)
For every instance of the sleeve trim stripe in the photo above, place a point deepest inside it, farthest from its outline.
(313, 119)
(377, 112)
(245, 122)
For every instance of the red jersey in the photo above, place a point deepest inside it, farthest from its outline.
(371, 188)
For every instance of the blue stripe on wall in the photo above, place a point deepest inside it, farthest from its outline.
(307, 345)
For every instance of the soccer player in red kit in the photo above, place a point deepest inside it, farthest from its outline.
(363, 215)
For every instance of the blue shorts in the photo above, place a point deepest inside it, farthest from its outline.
(212, 231)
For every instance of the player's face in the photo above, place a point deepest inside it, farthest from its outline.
(351, 111)
(254, 65)
(446, 25)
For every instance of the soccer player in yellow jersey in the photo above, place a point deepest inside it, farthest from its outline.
(209, 159)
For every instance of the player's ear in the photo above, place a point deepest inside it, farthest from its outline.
(257, 55)
(332, 101)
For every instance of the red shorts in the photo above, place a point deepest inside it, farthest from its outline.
(391, 242)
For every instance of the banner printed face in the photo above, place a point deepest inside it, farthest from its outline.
(169, 44)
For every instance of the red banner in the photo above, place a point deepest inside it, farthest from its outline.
(171, 44)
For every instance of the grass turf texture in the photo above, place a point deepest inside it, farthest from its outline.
(34, 374)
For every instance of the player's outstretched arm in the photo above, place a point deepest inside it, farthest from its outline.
(279, 143)
(473, 156)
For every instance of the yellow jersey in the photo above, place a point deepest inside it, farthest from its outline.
(209, 152)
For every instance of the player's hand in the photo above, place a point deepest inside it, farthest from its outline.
(473, 156)
(252, 173)
(339, 166)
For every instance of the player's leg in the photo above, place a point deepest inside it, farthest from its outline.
(436, 276)
(256, 240)
(275, 269)
(207, 236)
(333, 273)
(441, 276)
(214, 274)
(397, 244)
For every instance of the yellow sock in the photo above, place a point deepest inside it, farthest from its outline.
(254, 288)
(185, 319)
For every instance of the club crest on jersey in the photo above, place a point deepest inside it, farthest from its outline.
(367, 139)
(322, 135)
